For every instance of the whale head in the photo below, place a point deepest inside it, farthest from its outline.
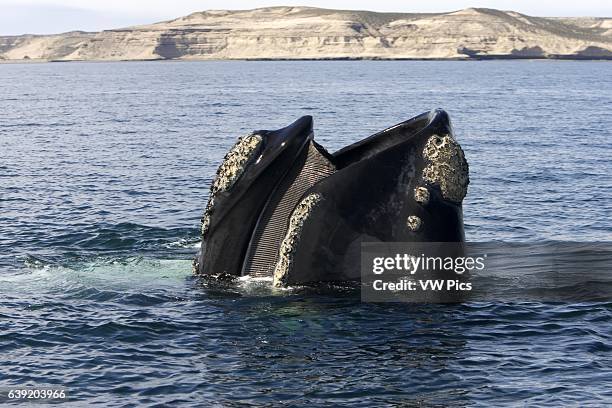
(282, 207)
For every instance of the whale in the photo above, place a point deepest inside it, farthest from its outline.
(282, 207)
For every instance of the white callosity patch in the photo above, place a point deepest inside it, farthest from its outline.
(229, 171)
(421, 195)
(414, 223)
(233, 163)
(287, 249)
(446, 167)
(206, 217)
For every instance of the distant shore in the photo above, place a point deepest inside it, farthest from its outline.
(488, 58)
(308, 34)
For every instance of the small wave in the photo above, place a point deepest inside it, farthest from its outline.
(124, 237)
(36, 262)
(185, 243)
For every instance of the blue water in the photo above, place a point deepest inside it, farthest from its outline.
(104, 174)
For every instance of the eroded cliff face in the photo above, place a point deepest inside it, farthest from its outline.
(312, 33)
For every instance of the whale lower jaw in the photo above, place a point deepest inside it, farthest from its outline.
(302, 215)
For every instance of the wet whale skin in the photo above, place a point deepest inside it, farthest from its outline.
(301, 215)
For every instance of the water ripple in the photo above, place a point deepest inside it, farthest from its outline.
(104, 174)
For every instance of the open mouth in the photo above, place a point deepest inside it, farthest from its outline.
(281, 206)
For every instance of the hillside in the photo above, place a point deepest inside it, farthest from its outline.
(312, 33)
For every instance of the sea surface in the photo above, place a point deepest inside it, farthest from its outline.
(104, 174)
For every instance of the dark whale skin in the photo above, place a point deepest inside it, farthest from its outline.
(369, 198)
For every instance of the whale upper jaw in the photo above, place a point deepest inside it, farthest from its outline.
(296, 213)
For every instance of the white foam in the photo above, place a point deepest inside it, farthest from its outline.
(100, 273)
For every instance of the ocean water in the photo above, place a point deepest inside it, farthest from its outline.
(104, 174)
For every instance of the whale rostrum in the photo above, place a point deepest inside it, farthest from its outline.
(282, 207)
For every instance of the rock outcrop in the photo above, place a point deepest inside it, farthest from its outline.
(312, 33)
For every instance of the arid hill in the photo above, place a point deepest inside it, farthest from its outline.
(312, 33)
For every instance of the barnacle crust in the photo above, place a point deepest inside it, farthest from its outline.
(288, 247)
(229, 171)
(447, 167)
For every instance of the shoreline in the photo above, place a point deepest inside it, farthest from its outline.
(468, 59)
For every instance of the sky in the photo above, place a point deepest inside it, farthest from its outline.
(55, 16)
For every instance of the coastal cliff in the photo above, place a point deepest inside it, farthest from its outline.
(313, 33)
